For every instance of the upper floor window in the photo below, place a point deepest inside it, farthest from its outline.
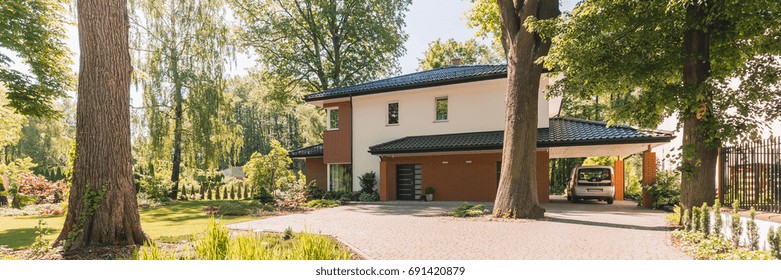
(393, 113)
(333, 118)
(441, 109)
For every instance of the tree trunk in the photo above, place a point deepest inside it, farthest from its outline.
(517, 193)
(176, 161)
(698, 181)
(102, 208)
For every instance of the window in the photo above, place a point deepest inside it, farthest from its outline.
(340, 177)
(441, 109)
(393, 113)
(333, 118)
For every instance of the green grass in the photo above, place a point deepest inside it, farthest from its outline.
(173, 222)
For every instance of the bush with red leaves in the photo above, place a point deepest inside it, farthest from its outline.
(43, 190)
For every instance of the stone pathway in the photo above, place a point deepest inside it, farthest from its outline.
(419, 230)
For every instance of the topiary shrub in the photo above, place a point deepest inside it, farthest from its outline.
(752, 231)
(705, 219)
(718, 224)
(737, 225)
(367, 181)
(774, 240)
(262, 195)
(696, 215)
(686, 220)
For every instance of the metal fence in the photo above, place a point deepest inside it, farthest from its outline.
(751, 174)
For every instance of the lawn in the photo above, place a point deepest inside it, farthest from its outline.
(171, 222)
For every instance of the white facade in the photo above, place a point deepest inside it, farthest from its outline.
(472, 107)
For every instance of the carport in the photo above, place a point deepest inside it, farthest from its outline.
(465, 166)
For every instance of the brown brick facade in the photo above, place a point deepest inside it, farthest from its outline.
(463, 177)
(336, 143)
(317, 171)
(618, 169)
(649, 176)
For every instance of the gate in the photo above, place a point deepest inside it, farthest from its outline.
(751, 174)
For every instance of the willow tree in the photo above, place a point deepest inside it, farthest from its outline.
(516, 196)
(714, 63)
(323, 44)
(441, 53)
(102, 207)
(34, 31)
(182, 49)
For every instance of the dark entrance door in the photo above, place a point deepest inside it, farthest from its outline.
(408, 181)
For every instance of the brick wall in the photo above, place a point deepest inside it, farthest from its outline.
(336, 143)
(618, 168)
(458, 180)
(317, 171)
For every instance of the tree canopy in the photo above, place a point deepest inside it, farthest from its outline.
(322, 44)
(34, 31)
(440, 53)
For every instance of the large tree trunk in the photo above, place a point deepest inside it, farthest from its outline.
(102, 208)
(517, 193)
(698, 183)
(176, 161)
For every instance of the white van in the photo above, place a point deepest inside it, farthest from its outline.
(591, 182)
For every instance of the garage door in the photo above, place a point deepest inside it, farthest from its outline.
(408, 181)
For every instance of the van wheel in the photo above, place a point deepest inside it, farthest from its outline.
(609, 201)
(569, 198)
(575, 199)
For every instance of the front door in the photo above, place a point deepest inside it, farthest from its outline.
(408, 181)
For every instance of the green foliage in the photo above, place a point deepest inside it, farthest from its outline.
(240, 208)
(320, 45)
(263, 171)
(40, 245)
(213, 245)
(686, 220)
(667, 190)
(367, 197)
(752, 231)
(468, 210)
(705, 219)
(262, 195)
(675, 217)
(91, 200)
(696, 216)
(430, 190)
(606, 160)
(368, 181)
(774, 240)
(713, 247)
(314, 191)
(736, 225)
(322, 203)
(718, 224)
(484, 15)
(288, 234)
(342, 195)
(440, 54)
(34, 31)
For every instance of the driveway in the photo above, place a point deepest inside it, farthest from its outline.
(419, 230)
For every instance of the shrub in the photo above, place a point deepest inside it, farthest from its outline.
(705, 219)
(294, 193)
(265, 170)
(238, 208)
(667, 190)
(713, 247)
(314, 191)
(675, 217)
(263, 196)
(40, 245)
(217, 193)
(696, 215)
(718, 224)
(342, 195)
(686, 220)
(322, 203)
(737, 226)
(369, 197)
(430, 190)
(468, 210)
(151, 252)
(225, 192)
(752, 231)
(288, 234)
(213, 245)
(774, 240)
(367, 181)
(41, 189)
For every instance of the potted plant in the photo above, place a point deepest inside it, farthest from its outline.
(430, 194)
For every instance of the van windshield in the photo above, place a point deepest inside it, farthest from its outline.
(594, 174)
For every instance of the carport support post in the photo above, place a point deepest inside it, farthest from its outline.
(384, 184)
(649, 176)
(618, 168)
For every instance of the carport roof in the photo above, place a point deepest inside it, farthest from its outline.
(563, 132)
(310, 151)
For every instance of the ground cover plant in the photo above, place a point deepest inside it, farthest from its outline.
(468, 210)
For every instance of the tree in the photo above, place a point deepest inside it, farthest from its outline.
(441, 53)
(182, 48)
(264, 171)
(713, 63)
(322, 44)
(102, 207)
(516, 196)
(34, 30)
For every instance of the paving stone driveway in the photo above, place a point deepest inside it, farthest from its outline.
(419, 230)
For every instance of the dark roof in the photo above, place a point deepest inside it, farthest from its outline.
(563, 131)
(435, 77)
(311, 151)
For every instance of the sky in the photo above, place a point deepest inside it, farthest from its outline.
(426, 21)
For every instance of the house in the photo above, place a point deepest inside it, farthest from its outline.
(443, 128)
